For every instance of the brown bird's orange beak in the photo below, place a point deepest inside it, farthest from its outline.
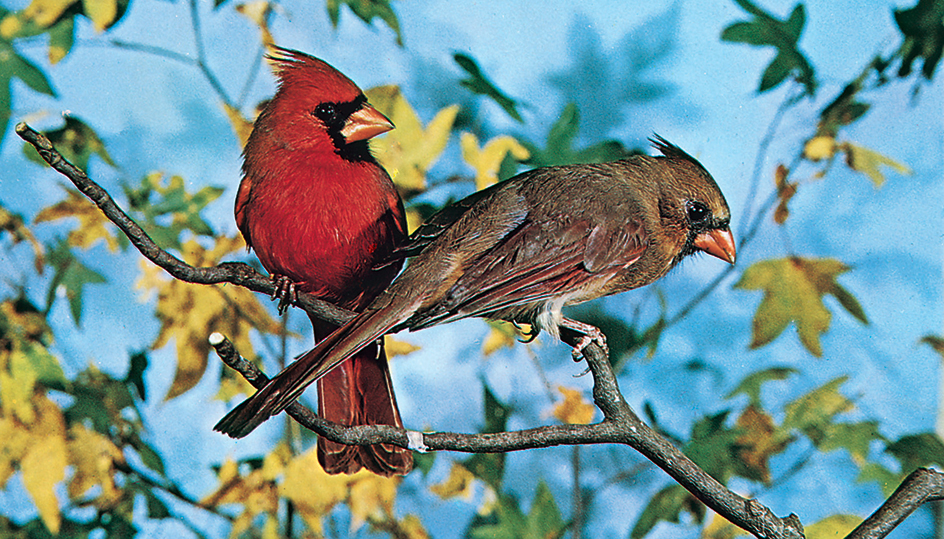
(365, 123)
(717, 242)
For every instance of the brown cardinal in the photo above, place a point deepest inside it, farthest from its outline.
(320, 214)
(523, 249)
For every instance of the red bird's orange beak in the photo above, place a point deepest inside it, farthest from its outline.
(365, 123)
(717, 242)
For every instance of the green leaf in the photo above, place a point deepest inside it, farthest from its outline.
(712, 446)
(157, 197)
(507, 521)
(853, 437)
(813, 414)
(72, 276)
(479, 84)
(490, 467)
(559, 148)
(917, 451)
(667, 505)
(12, 65)
(752, 383)
(76, 141)
(887, 480)
(793, 292)
(366, 10)
(766, 30)
(923, 30)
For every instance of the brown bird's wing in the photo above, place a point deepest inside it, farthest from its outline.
(539, 260)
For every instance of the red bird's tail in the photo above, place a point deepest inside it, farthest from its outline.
(359, 392)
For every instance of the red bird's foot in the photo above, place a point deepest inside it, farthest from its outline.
(590, 334)
(285, 292)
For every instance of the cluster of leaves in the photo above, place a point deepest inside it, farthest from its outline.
(86, 442)
(744, 446)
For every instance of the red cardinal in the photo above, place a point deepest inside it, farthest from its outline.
(321, 213)
(523, 249)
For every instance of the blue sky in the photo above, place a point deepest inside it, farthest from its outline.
(155, 114)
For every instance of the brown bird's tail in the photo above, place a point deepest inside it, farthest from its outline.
(359, 392)
(283, 389)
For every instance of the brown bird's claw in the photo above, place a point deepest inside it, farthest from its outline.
(529, 335)
(285, 291)
(590, 334)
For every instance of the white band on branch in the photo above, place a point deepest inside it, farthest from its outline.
(415, 441)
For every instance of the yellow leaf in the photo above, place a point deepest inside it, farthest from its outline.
(241, 126)
(44, 464)
(17, 382)
(719, 528)
(458, 484)
(14, 440)
(313, 491)
(46, 12)
(10, 26)
(396, 347)
(256, 494)
(102, 13)
(189, 313)
(409, 150)
(371, 495)
(93, 225)
(486, 161)
(869, 162)
(574, 409)
(258, 12)
(832, 527)
(793, 292)
(412, 528)
(501, 335)
(93, 458)
(819, 147)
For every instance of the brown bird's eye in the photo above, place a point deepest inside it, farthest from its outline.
(697, 212)
(326, 112)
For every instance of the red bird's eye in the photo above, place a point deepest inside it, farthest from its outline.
(326, 112)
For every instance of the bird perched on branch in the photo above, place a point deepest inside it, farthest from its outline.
(523, 249)
(320, 213)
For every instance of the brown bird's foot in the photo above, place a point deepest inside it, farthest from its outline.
(590, 334)
(527, 335)
(285, 291)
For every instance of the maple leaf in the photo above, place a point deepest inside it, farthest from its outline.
(793, 292)
(458, 485)
(574, 409)
(766, 30)
(71, 276)
(408, 151)
(93, 225)
(785, 191)
(759, 440)
(487, 161)
(93, 457)
(832, 526)
(13, 65)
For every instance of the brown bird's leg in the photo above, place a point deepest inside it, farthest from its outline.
(590, 334)
(285, 291)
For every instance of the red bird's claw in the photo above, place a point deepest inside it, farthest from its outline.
(285, 292)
